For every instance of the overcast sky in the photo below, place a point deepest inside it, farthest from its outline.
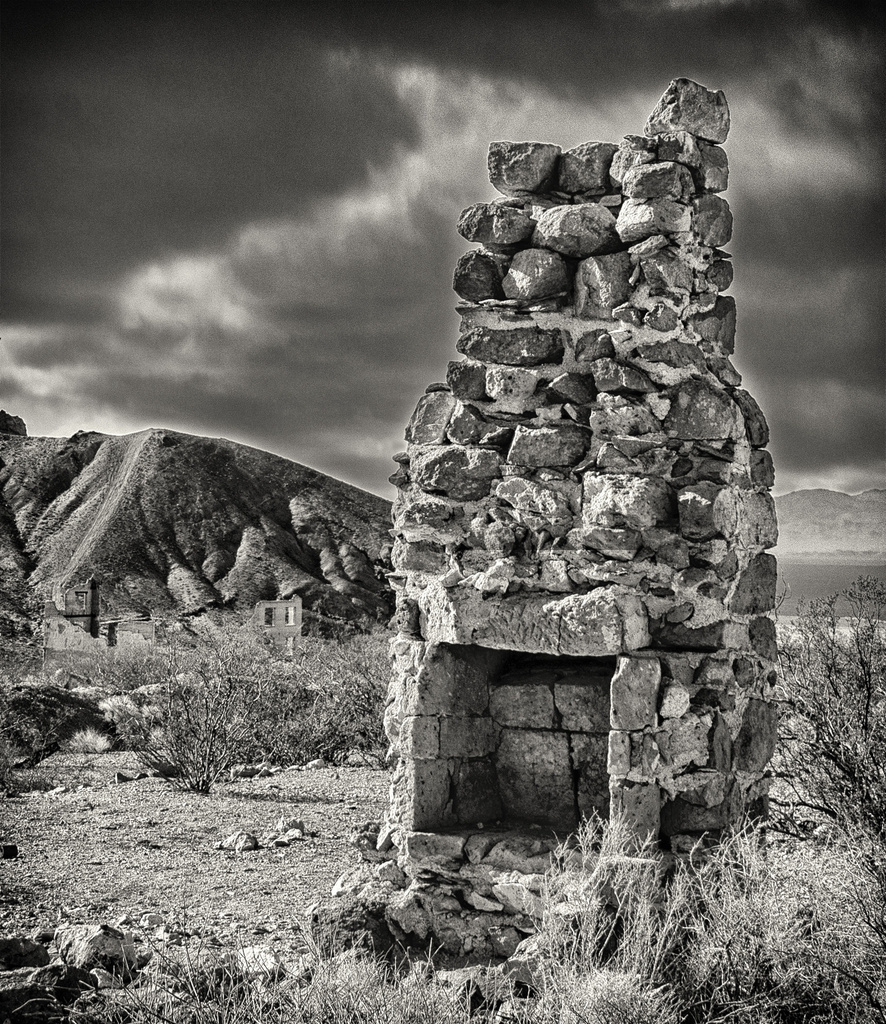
(238, 219)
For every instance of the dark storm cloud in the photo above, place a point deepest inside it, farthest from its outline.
(134, 130)
(134, 133)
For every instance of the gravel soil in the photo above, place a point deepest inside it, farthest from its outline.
(101, 851)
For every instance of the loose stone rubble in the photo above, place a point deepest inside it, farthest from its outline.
(582, 531)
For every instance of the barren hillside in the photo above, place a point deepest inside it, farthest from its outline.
(173, 523)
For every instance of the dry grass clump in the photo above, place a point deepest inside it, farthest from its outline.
(750, 933)
(89, 741)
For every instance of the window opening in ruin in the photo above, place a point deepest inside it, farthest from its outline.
(269, 616)
(289, 617)
(80, 596)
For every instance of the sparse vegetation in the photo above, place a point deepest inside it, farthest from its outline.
(774, 927)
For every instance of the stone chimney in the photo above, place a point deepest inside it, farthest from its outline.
(582, 527)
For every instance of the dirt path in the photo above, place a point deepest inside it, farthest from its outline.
(106, 850)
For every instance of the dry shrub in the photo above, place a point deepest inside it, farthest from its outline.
(328, 702)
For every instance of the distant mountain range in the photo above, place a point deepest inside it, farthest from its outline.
(175, 524)
(831, 526)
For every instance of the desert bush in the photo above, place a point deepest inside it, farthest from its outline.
(118, 669)
(208, 707)
(832, 760)
(328, 701)
(89, 741)
(133, 715)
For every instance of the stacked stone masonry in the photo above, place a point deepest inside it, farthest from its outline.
(582, 527)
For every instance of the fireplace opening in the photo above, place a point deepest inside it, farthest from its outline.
(552, 721)
(523, 738)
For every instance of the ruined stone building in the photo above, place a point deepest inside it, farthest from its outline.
(72, 626)
(280, 620)
(582, 529)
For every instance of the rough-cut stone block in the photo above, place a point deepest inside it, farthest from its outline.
(430, 419)
(674, 701)
(616, 414)
(577, 388)
(638, 804)
(634, 693)
(618, 753)
(681, 147)
(763, 638)
(601, 284)
(511, 387)
(461, 473)
(756, 427)
(433, 849)
(612, 376)
(662, 318)
(746, 517)
(578, 231)
(640, 218)
(588, 754)
(536, 274)
(717, 327)
(688, 106)
(762, 469)
(421, 797)
(420, 737)
(468, 426)
(535, 775)
(633, 150)
(466, 737)
(699, 411)
(695, 505)
(516, 167)
(526, 854)
(516, 346)
(586, 168)
(478, 276)
(620, 544)
(712, 172)
(755, 589)
(666, 272)
(720, 275)
(758, 736)
(524, 706)
(603, 622)
(448, 679)
(583, 707)
(625, 502)
(528, 496)
(420, 555)
(665, 180)
(592, 345)
(495, 224)
(561, 445)
(467, 379)
(712, 220)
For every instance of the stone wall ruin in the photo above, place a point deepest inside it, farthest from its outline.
(582, 531)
